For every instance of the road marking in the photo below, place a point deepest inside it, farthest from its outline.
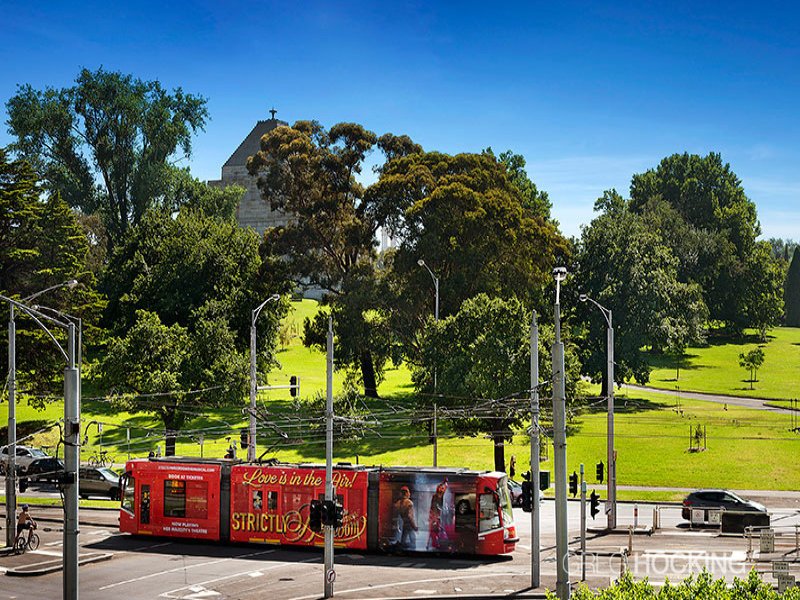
(404, 583)
(47, 552)
(184, 568)
(170, 593)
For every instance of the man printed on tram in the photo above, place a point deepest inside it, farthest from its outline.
(406, 521)
(258, 500)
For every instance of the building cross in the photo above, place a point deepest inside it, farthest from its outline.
(272, 112)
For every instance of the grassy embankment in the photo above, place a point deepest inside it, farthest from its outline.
(746, 448)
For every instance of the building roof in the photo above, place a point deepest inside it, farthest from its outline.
(251, 143)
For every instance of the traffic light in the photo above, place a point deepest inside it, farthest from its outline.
(594, 502)
(243, 438)
(338, 515)
(573, 484)
(599, 472)
(294, 385)
(527, 498)
(329, 513)
(315, 516)
(544, 480)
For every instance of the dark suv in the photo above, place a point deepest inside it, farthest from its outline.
(48, 469)
(716, 499)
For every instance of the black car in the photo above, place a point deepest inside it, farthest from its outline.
(718, 499)
(48, 469)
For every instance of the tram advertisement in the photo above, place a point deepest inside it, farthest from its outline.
(427, 512)
(271, 505)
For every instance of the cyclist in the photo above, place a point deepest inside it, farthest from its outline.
(24, 522)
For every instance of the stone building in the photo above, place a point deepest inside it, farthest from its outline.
(253, 211)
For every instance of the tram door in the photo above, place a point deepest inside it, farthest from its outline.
(144, 505)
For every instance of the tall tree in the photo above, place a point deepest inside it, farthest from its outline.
(108, 143)
(482, 356)
(42, 245)
(624, 264)
(709, 198)
(791, 292)
(190, 281)
(310, 173)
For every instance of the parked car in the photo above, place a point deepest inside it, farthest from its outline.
(515, 491)
(717, 499)
(47, 469)
(98, 481)
(25, 456)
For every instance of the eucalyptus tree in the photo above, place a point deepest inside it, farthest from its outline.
(108, 143)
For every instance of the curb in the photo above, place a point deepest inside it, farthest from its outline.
(23, 572)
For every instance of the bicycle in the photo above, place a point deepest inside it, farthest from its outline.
(27, 543)
(101, 458)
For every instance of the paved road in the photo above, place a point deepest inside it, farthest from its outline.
(162, 568)
(755, 403)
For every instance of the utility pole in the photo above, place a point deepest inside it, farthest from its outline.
(535, 508)
(11, 463)
(422, 263)
(251, 442)
(611, 453)
(583, 525)
(611, 457)
(330, 574)
(560, 448)
(72, 426)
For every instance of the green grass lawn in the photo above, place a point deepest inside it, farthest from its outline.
(746, 448)
(715, 368)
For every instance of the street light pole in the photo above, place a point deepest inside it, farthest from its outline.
(535, 508)
(560, 448)
(11, 463)
(421, 263)
(72, 403)
(251, 442)
(611, 454)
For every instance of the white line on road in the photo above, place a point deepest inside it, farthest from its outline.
(184, 568)
(405, 583)
(249, 572)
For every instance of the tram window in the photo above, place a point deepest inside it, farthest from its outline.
(174, 498)
(129, 494)
(272, 500)
(258, 499)
(196, 500)
(490, 518)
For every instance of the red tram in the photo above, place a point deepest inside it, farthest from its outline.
(385, 508)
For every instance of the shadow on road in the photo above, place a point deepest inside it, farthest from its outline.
(177, 550)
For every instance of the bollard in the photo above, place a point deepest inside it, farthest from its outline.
(797, 539)
(748, 531)
(636, 516)
(630, 540)
(623, 562)
(655, 519)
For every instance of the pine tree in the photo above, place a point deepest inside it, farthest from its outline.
(791, 292)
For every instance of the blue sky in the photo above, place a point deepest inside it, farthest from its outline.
(589, 94)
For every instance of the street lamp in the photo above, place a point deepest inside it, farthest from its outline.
(72, 403)
(560, 447)
(251, 442)
(11, 464)
(611, 456)
(421, 263)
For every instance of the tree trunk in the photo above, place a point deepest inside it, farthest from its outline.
(604, 386)
(172, 424)
(368, 375)
(499, 451)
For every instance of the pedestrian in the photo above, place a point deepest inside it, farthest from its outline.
(512, 466)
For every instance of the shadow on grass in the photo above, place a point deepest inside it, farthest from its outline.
(26, 428)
